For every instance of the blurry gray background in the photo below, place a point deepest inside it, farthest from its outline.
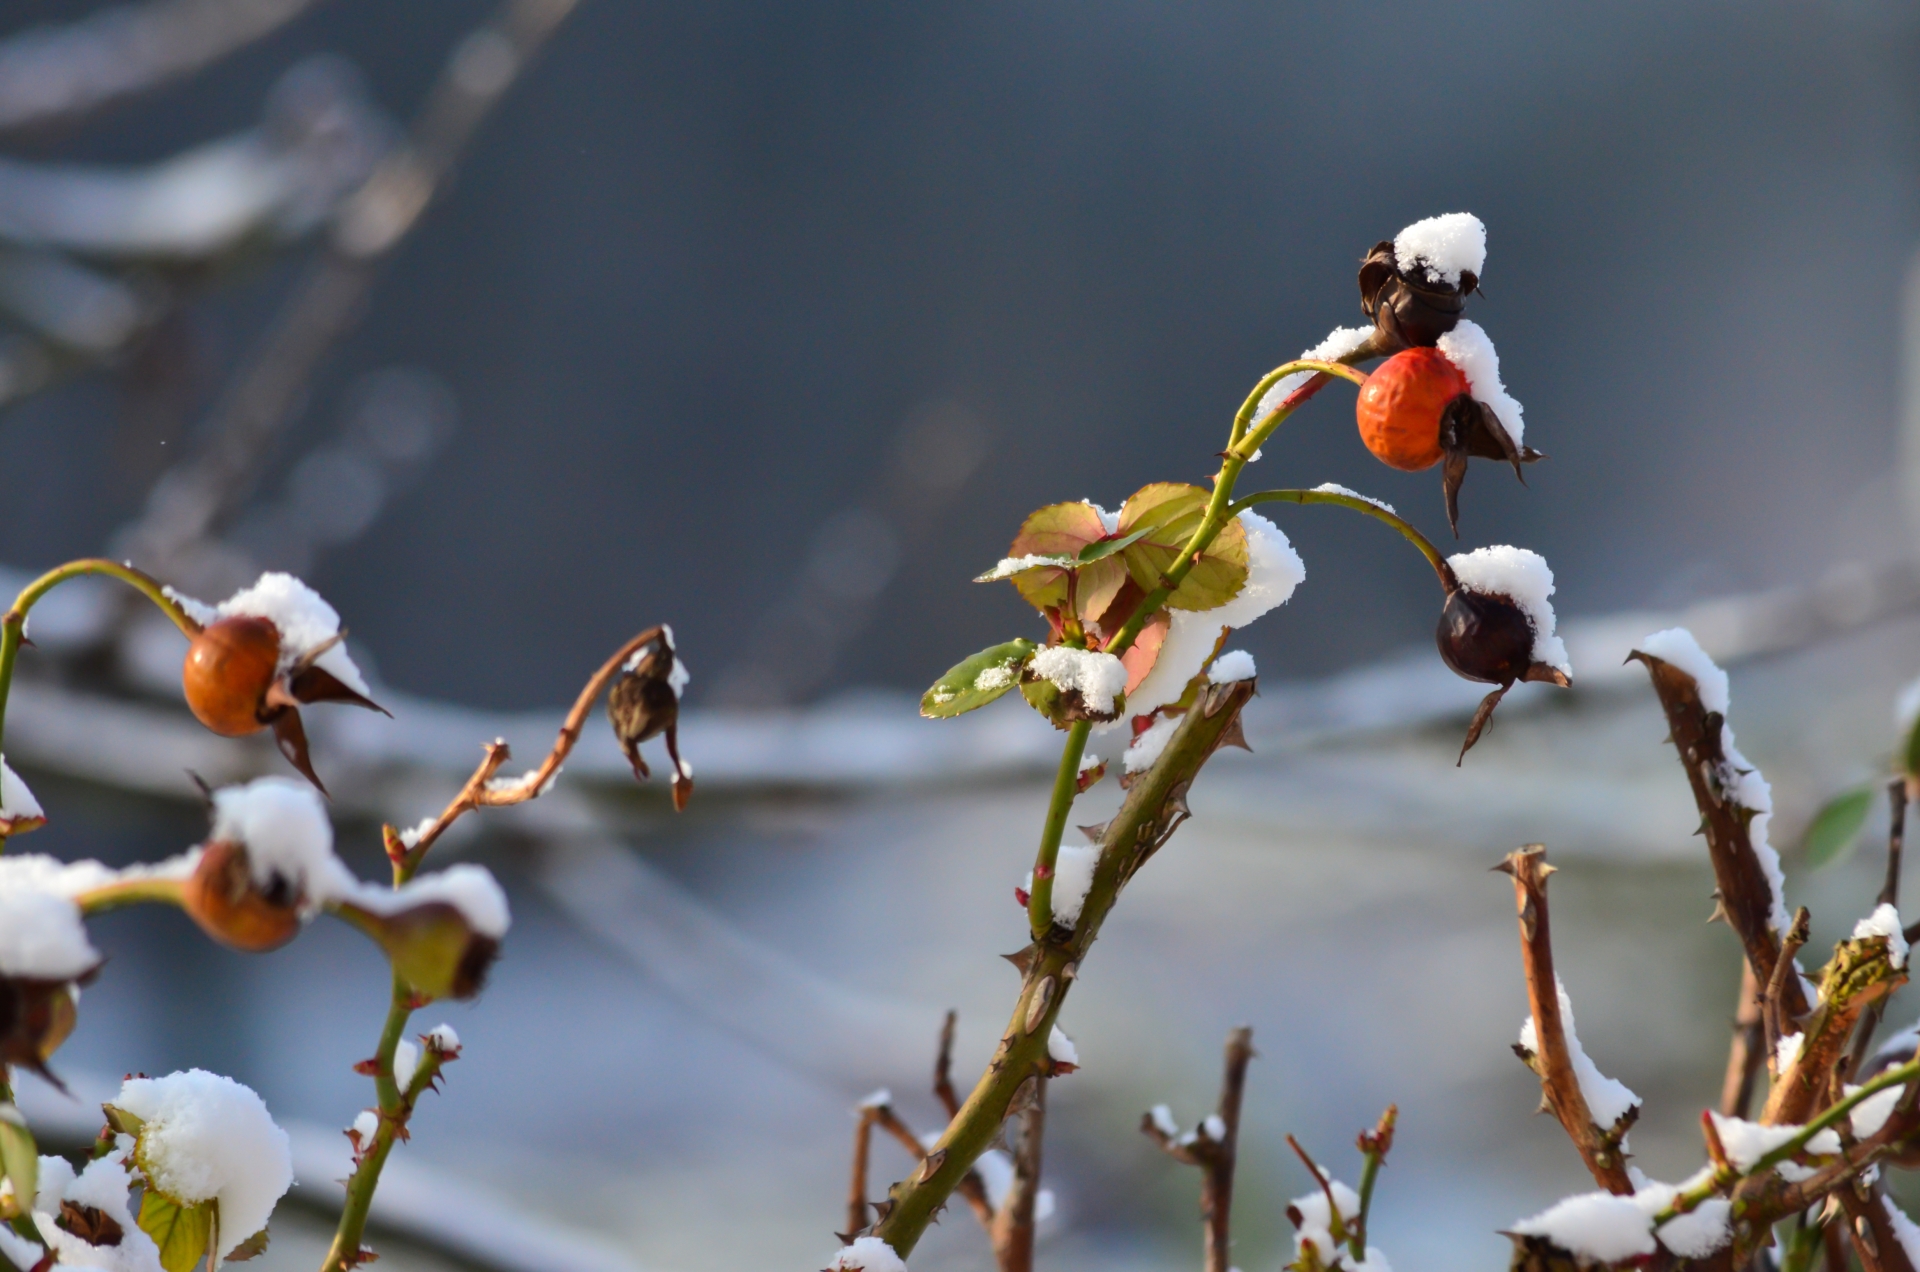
(772, 321)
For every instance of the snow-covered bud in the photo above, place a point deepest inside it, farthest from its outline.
(644, 703)
(20, 812)
(1497, 625)
(267, 867)
(44, 953)
(1415, 286)
(260, 656)
(441, 932)
(1065, 684)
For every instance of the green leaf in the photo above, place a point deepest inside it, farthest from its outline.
(977, 681)
(1834, 829)
(19, 1156)
(1170, 512)
(1066, 530)
(1911, 752)
(1107, 547)
(253, 1247)
(182, 1232)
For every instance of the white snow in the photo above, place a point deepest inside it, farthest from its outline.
(995, 1169)
(1099, 677)
(1442, 247)
(1145, 749)
(17, 1250)
(468, 888)
(1884, 921)
(1335, 488)
(1215, 1127)
(1608, 1099)
(1338, 343)
(1695, 1234)
(878, 1098)
(869, 1253)
(523, 785)
(1232, 666)
(1060, 1048)
(1747, 1142)
(1470, 349)
(1597, 1225)
(366, 1125)
(1274, 570)
(208, 1137)
(1522, 576)
(1786, 1051)
(1739, 778)
(43, 938)
(1163, 1121)
(1072, 877)
(443, 1039)
(16, 801)
(1088, 760)
(303, 619)
(37, 872)
(283, 825)
(1010, 566)
(406, 1062)
(1905, 1231)
(104, 1185)
(1316, 1219)
(410, 837)
(1111, 520)
(1871, 1114)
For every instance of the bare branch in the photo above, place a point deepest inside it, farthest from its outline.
(1012, 1228)
(857, 1187)
(943, 1068)
(1553, 1060)
(1748, 1051)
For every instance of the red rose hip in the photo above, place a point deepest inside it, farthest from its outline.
(1401, 405)
(229, 668)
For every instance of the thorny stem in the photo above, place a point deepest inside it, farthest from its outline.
(1358, 504)
(1048, 968)
(1553, 1059)
(1689, 1198)
(477, 793)
(345, 1253)
(13, 624)
(1771, 1013)
(857, 1186)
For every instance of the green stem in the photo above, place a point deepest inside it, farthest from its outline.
(1066, 785)
(13, 625)
(344, 1254)
(1368, 1174)
(1243, 420)
(1802, 1245)
(126, 892)
(1686, 1201)
(1359, 503)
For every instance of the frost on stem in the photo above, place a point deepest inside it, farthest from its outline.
(1608, 1099)
(1341, 342)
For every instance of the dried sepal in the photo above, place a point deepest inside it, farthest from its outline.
(36, 1017)
(1470, 429)
(1410, 310)
(644, 703)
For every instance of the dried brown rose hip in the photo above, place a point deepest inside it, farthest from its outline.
(644, 703)
(1411, 309)
(1485, 634)
(221, 896)
(1485, 637)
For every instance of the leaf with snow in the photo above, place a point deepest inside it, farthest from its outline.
(182, 1232)
(1831, 835)
(1171, 511)
(978, 680)
(1065, 530)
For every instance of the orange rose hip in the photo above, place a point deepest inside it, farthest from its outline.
(1401, 405)
(229, 668)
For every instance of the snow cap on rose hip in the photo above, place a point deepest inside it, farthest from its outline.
(441, 931)
(261, 655)
(1497, 625)
(644, 703)
(1414, 287)
(267, 867)
(44, 953)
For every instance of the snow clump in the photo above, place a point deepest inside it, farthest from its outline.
(1314, 1219)
(1608, 1099)
(1884, 921)
(283, 826)
(43, 938)
(1335, 488)
(103, 1185)
(17, 803)
(1145, 750)
(209, 1138)
(1060, 1048)
(468, 888)
(1099, 677)
(868, 1253)
(1233, 666)
(1740, 779)
(1072, 879)
(1469, 348)
(1442, 248)
(302, 617)
(1522, 576)
(1747, 1142)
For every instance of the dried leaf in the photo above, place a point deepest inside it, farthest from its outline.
(253, 1247)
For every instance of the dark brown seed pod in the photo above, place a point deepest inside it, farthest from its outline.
(1410, 312)
(36, 1016)
(221, 896)
(644, 703)
(1487, 637)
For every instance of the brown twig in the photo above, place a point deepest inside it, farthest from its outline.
(1216, 1156)
(1553, 1060)
(857, 1187)
(1012, 1229)
(1889, 895)
(1336, 1222)
(1770, 1011)
(943, 1068)
(1860, 974)
(481, 791)
(1748, 1052)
